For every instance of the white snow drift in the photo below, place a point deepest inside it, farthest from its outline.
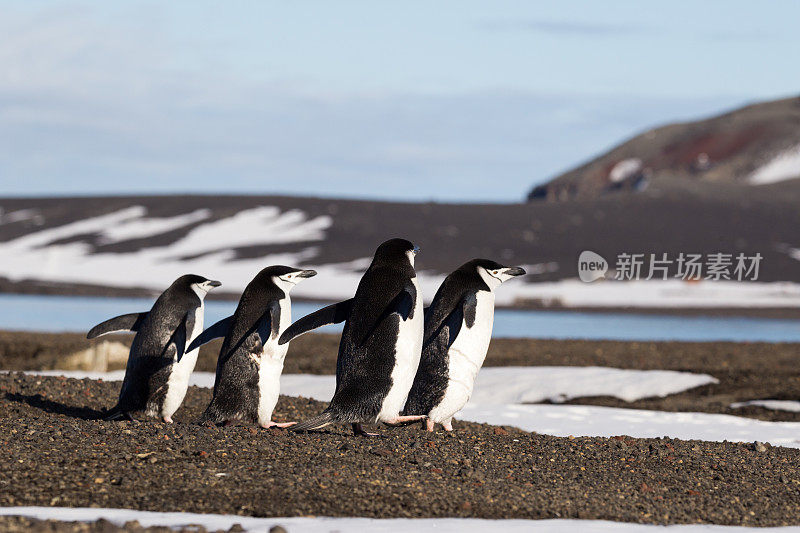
(784, 166)
(57, 255)
(359, 525)
(494, 385)
(499, 392)
(657, 294)
(206, 249)
(775, 405)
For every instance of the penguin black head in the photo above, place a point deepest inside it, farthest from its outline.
(284, 277)
(197, 284)
(394, 251)
(491, 272)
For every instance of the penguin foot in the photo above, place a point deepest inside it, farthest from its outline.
(403, 419)
(272, 424)
(358, 430)
(429, 425)
(448, 426)
(168, 419)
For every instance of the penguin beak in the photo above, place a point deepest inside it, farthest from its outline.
(214, 283)
(515, 271)
(307, 273)
(415, 250)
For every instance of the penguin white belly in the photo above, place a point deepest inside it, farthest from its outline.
(181, 371)
(465, 358)
(408, 351)
(271, 367)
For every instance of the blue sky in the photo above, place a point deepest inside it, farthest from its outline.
(448, 101)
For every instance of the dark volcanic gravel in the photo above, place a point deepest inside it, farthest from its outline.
(746, 371)
(14, 524)
(59, 454)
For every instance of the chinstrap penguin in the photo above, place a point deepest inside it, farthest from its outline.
(159, 365)
(250, 361)
(458, 328)
(381, 342)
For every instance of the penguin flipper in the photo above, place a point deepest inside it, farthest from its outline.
(219, 329)
(432, 377)
(402, 304)
(270, 324)
(178, 340)
(318, 422)
(258, 335)
(129, 322)
(448, 330)
(470, 306)
(332, 314)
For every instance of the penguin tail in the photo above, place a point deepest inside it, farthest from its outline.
(211, 417)
(318, 422)
(117, 413)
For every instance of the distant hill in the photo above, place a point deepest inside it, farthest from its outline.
(755, 145)
(136, 245)
(723, 185)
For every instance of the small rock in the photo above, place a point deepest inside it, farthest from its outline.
(759, 446)
(500, 431)
(381, 452)
(277, 529)
(105, 525)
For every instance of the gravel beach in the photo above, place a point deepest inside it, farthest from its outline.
(746, 371)
(62, 455)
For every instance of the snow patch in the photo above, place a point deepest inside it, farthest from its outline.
(497, 388)
(209, 249)
(21, 215)
(582, 420)
(149, 227)
(358, 525)
(33, 256)
(494, 385)
(775, 405)
(784, 166)
(510, 385)
(672, 293)
(625, 169)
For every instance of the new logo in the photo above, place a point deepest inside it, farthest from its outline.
(591, 266)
